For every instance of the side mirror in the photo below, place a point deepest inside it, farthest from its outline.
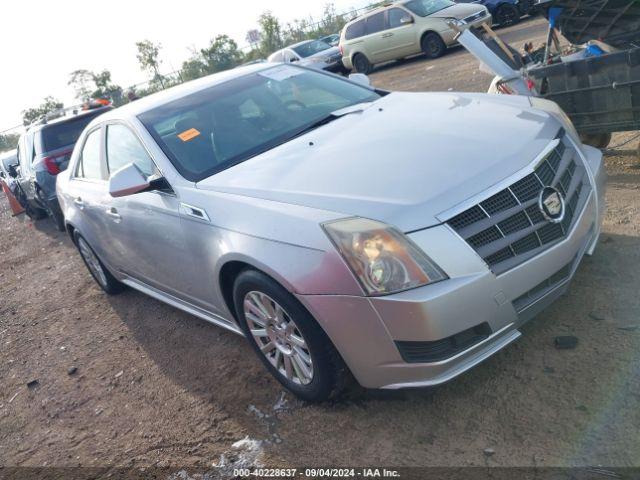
(127, 181)
(13, 173)
(293, 59)
(360, 79)
(406, 20)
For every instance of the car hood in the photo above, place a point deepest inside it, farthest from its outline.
(403, 160)
(459, 11)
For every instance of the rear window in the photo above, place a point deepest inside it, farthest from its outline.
(63, 134)
(355, 30)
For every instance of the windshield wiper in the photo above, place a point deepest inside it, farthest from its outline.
(336, 114)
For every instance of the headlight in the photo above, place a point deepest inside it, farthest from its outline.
(553, 109)
(382, 258)
(455, 21)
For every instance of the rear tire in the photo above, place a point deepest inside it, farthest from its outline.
(432, 45)
(361, 64)
(99, 272)
(507, 15)
(288, 340)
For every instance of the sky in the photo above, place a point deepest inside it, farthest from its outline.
(42, 41)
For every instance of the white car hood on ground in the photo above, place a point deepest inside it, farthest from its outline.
(403, 160)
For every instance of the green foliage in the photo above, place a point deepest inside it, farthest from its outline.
(48, 105)
(270, 33)
(89, 85)
(221, 54)
(148, 58)
(8, 141)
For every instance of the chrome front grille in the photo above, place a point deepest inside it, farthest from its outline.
(508, 228)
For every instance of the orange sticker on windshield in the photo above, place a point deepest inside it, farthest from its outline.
(188, 134)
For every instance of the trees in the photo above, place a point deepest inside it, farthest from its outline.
(48, 105)
(221, 54)
(148, 58)
(89, 85)
(270, 33)
(8, 141)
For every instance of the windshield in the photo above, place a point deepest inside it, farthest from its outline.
(311, 48)
(210, 130)
(424, 8)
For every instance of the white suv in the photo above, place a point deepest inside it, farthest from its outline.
(406, 28)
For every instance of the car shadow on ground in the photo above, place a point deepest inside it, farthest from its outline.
(451, 52)
(526, 383)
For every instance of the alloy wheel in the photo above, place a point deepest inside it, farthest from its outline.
(278, 337)
(92, 262)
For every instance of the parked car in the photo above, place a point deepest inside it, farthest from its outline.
(504, 12)
(338, 227)
(332, 40)
(43, 152)
(6, 160)
(406, 28)
(311, 53)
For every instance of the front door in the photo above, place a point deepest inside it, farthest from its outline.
(145, 229)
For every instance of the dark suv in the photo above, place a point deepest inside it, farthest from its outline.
(43, 152)
(505, 12)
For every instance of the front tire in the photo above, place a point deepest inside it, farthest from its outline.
(287, 338)
(99, 272)
(432, 45)
(507, 15)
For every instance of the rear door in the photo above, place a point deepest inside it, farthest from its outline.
(87, 189)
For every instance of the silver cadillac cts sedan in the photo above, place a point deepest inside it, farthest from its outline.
(399, 237)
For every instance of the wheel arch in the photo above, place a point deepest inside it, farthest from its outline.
(232, 267)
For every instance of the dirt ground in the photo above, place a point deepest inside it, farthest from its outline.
(155, 386)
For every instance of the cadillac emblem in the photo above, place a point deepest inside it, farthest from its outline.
(551, 204)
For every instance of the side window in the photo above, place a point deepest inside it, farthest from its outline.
(355, 30)
(398, 17)
(123, 147)
(89, 164)
(375, 23)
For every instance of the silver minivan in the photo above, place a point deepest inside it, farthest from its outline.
(399, 237)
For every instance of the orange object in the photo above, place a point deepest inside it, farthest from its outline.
(188, 134)
(16, 208)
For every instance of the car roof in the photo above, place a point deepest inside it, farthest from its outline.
(378, 9)
(67, 118)
(154, 100)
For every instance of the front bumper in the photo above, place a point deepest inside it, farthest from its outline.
(366, 330)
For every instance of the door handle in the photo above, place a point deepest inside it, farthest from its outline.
(113, 213)
(386, 35)
(79, 203)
